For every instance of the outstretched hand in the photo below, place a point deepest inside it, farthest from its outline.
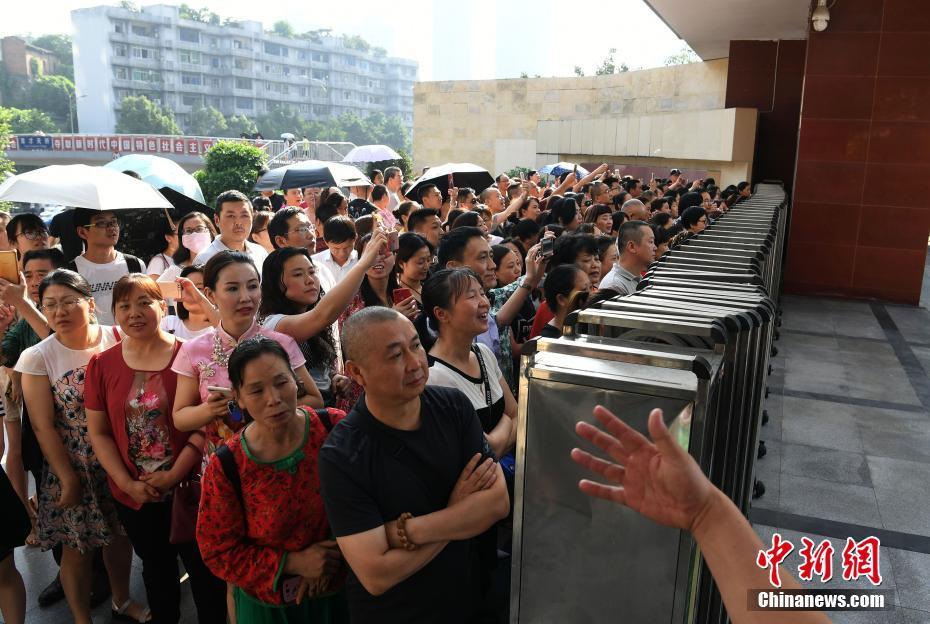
(657, 479)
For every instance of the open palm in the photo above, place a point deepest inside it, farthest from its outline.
(656, 479)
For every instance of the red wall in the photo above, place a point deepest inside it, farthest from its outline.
(861, 210)
(769, 76)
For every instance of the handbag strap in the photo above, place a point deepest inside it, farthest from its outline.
(484, 374)
(231, 470)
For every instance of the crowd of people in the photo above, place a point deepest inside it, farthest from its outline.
(309, 397)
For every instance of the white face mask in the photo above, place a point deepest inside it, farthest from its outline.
(196, 242)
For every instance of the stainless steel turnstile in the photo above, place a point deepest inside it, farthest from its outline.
(699, 330)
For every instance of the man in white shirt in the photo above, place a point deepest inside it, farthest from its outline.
(233, 218)
(340, 255)
(393, 180)
(290, 227)
(100, 264)
(637, 245)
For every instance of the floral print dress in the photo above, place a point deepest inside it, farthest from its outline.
(92, 522)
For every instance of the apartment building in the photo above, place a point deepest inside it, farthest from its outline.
(237, 68)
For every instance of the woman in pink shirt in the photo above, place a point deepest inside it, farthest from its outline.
(204, 396)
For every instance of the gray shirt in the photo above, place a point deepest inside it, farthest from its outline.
(620, 280)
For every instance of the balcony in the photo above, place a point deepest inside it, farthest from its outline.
(142, 63)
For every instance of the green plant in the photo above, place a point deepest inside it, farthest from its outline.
(29, 121)
(60, 45)
(140, 115)
(206, 121)
(230, 165)
(685, 55)
(237, 125)
(518, 172)
(608, 65)
(55, 96)
(6, 165)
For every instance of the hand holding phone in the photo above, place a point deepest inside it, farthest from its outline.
(9, 269)
(401, 294)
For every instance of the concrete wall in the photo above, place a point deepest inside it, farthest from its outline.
(496, 123)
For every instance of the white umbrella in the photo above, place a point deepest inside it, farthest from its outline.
(370, 153)
(160, 172)
(82, 186)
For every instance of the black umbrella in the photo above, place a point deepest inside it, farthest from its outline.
(312, 173)
(184, 204)
(463, 175)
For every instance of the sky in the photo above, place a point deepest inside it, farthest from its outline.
(450, 39)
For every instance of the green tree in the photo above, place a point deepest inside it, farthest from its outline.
(283, 28)
(684, 56)
(230, 165)
(29, 121)
(206, 121)
(237, 125)
(354, 42)
(279, 120)
(6, 165)
(579, 71)
(140, 115)
(60, 45)
(609, 66)
(55, 96)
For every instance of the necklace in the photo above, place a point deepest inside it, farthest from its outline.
(410, 287)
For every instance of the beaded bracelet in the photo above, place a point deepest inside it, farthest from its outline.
(402, 531)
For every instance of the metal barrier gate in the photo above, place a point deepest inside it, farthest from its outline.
(699, 330)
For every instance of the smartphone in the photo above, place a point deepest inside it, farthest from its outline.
(401, 294)
(289, 587)
(220, 390)
(575, 171)
(451, 182)
(169, 290)
(546, 247)
(393, 241)
(9, 269)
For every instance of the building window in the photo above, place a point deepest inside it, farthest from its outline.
(143, 53)
(241, 64)
(346, 95)
(215, 62)
(119, 50)
(304, 108)
(190, 100)
(285, 89)
(302, 72)
(144, 75)
(119, 27)
(244, 83)
(189, 35)
(214, 42)
(192, 58)
(302, 55)
(320, 58)
(192, 79)
(215, 83)
(304, 91)
(142, 31)
(215, 102)
(320, 75)
(120, 73)
(245, 103)
(349, 60)
(275, 49)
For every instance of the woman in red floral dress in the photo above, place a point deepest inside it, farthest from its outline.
(262, 525)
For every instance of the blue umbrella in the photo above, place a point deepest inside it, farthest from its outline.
(160, 173)
(561, 167)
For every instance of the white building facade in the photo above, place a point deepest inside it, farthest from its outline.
(236, 68)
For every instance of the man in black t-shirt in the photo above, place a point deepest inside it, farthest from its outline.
(407, 449)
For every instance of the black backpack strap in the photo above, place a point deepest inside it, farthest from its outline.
(134, 264)
(231, 470)
(72, 266)
(323, 415)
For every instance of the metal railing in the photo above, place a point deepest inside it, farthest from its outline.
(280, 153)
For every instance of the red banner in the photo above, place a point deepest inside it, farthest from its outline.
(113, 143)
(151, 145)
(125, 144)
(67, 143)
(79, 144)
(193, 147)
(179, 146)
(102, 144)
(206, 144)
(138, 144)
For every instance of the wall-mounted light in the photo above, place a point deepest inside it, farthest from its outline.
(821, 16)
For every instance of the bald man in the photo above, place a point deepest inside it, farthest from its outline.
(408, 481)
(635, 210)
